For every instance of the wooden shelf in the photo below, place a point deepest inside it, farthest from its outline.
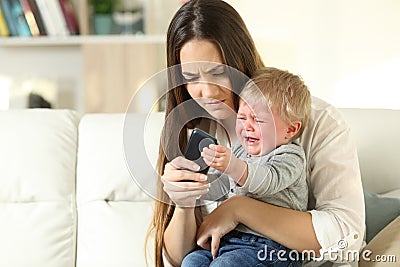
(80, 40)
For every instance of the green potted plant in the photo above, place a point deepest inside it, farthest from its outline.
(102, 15)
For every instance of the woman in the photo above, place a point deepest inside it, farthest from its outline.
(212, 31)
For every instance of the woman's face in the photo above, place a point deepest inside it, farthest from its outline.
(206, 77)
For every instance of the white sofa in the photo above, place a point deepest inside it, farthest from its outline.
(67, 198)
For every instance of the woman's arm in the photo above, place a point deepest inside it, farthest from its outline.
(180, 235)
(274, 222)
(288, 227)
(183, 188)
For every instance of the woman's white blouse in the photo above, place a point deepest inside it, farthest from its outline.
(336, 199)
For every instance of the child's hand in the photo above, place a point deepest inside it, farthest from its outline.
(217, 156)
(222, 159)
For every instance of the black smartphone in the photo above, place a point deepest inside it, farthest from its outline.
(197, 141)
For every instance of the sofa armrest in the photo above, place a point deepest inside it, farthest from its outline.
(384, 248)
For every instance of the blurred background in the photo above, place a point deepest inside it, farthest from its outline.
(348, 52)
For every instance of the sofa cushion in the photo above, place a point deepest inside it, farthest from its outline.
(379, 212)
(392, 193)
(113, 212)
(384, 248)
(37, 188)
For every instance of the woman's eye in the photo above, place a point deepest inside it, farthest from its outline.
(240, 118)
(219, 74)
(260, 121)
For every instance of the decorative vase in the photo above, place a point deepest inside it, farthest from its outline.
(102, 23)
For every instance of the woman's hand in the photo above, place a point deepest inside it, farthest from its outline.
(184, 186)
(217, 224)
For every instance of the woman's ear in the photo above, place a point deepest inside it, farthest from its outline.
(293, 129)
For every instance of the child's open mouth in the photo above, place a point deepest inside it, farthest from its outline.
(251, 140)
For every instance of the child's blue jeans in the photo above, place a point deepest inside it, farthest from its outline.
(241, 250)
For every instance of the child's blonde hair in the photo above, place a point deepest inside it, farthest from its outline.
(284, 93)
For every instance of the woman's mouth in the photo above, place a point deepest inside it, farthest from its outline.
(215, 102)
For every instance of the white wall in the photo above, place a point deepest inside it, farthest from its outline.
(56, 68)
(347, 51)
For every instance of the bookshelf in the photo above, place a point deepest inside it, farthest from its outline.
(154, 14)
(100, 72)
(78, 40)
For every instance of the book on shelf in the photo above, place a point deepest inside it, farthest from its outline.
(69, 15)
(3, 25)
(6, 9)
(39, 18)
(30, 18)
(18, 16)
(53, 18)
(32, 6)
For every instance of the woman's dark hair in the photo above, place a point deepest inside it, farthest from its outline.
(217, 22)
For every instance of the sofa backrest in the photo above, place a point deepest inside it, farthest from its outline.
(37, 188)
(66, 202)
(376, 132)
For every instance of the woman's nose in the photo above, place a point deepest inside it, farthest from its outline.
(209, 90)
